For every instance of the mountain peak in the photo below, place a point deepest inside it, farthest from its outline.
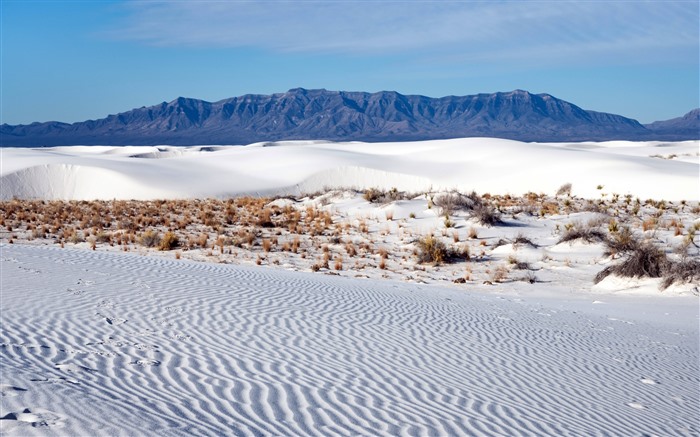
(349, 116)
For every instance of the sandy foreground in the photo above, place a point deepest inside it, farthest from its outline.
(323, 321)
(100, 343)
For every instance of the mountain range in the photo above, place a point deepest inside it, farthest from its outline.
(351, 116)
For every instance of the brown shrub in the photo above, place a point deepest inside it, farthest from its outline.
(685, 270)
(169, 241)
(431, 250)
(646, 260)
(486, 215)
(149, 238)
(585, 233)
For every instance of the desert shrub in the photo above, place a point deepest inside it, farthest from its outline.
(150, 238)
(265, 219)
(622, 241)
(39, 232)
(394, 194)
(448, 223)
(522, 240)
(350, 249)
(103, 237)
(564, 190)
(591, 206)
(76, 238)
(266, 244)
(169, 241)
(530, 278)
(646, 260)
(685, 270)
(486, 215)
(499, 243)
(473, 200)
(585, 233)
(375, 195)
(449, 203)
(517, 264)
(371, 195)
(499, 274)
(432, 250)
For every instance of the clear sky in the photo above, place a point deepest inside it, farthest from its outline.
(76, 60)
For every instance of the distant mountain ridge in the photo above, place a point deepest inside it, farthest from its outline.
(686, 127)
(351, 116)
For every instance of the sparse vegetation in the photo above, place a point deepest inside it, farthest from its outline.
(169, 241)
(486, 215)
(431, 250)
(685, 270)
(150, 238)
(309, 232)
(646, 260)
(585, 233)
(564, 190)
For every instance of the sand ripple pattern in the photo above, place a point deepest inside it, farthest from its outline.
(119, 344)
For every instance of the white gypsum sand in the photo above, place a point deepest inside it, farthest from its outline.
(659, 170)
(100, 343)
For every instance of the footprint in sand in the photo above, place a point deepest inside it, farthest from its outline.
(115, 320)
(146, 363)
(59, 380)
(73, 368)
(11, 391)
(105, 304)
(35, 417)
(112, 320)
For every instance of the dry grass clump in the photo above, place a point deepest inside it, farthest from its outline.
(431, 250)
(646, 260)
(586, 233)
(564, 190)
(499, 274)
(517, 264)
(450, 203)
(522, 240)
(622, 241)
(169, 241)
(150, 238)
(375, 195)
(685, 270)
(486, 215)
(649, 261)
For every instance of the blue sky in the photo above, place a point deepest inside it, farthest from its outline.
(76, 60)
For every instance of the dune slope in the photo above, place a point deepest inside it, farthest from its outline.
(655, 170)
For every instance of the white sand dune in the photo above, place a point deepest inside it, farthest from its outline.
(98, 343)
(645, 169)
